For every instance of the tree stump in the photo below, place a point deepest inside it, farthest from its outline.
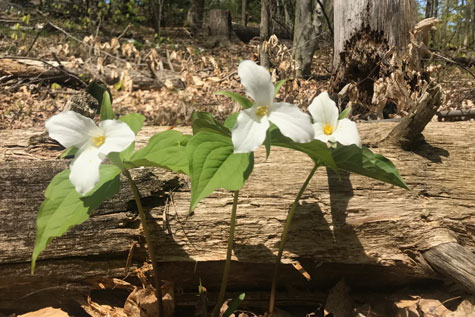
(218, 23)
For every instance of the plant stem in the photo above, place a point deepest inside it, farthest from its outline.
(227, 265)
(148, 240)
(288, 221)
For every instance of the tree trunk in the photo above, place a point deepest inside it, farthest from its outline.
(244, 13)
(372, 234)
(194, 18)
(308, 23)
(378, 60)
(388, 20)
(218, 23)
(264, 32)
(468, 23)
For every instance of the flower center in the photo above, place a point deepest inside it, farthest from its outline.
(262, 111)
(99, 140)
(327, 129)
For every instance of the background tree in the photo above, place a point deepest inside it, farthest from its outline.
(308, 25)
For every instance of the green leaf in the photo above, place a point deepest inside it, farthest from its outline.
(165, 149)
(278, 86)
(234, 304)
(231, 120)
(106, 107)
(364, 162)
(64, 207)
(267, 143)
(344, 114)
(213, 164)
(316, 150)
(243, 101)
(70, 151)
(204, 121)
(134, 120)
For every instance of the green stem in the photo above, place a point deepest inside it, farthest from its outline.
(227, 265)
(148, 240)
(288, 221)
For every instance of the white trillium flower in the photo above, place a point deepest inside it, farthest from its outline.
(327, 126)
(252, 124)
(94, 143)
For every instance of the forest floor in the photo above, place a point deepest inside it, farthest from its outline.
(201, 68)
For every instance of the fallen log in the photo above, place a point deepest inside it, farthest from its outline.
(20, 67)
(370, 233)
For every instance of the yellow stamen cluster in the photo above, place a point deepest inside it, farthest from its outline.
(327, 129)
(262, 111)
(99, 140)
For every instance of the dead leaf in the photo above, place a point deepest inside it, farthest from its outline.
(46, 312)
(143, 302)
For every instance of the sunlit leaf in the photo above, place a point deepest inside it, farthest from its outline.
(64, 207)
(165, 149)
(243, 101)
(364, 162)
(213, 165)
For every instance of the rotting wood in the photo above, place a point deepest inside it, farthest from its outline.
(454, 261)
(370, 233)
(408, 133)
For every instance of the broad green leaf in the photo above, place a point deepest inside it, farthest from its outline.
(213, 165)
(344, 114)
(106, 107)
(231, 120)
(234, 304)
(70, 151)
(165, 149)
(316, 150)
(64, 207)
(204, 121)
(364, 162)
(278, 86)
(134, 120)
(243, 101)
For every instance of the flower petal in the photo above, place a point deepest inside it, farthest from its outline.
(319, 132)
(85, 169)
(257, 81)
(346, 133)
(118, 136)
(292, 122)
(324, 110)
(249, 132)
(70, 128)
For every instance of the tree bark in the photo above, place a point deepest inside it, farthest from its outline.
(194, 17)
(219, 24)
(244, 13)
(308, 24)
(371, 233)
(264, 32)
(379, 57)
(390, 20)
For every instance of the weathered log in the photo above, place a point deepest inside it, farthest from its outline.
(453, 260)
(367, 232)
(30, 68)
